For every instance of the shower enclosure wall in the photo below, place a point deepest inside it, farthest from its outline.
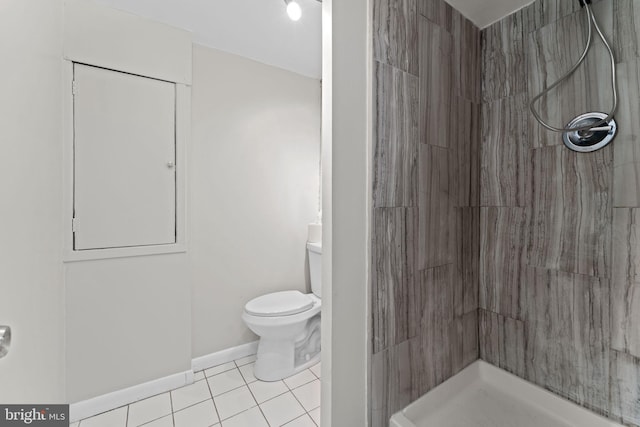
(484, 221)
(425, 222)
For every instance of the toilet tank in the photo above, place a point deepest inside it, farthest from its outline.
(315, 267)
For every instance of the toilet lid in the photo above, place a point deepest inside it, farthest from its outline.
(279, 304)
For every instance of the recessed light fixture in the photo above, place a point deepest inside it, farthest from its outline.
(293, 10)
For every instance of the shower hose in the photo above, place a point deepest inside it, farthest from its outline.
(591, 23)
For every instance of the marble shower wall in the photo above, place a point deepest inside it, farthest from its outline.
(426, 195)
(560, 231)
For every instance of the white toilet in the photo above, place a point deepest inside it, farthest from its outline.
(288, 324)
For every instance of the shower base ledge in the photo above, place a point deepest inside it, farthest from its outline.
(482, 395)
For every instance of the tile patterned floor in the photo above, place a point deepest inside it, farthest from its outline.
(225, 396)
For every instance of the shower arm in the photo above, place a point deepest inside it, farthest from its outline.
(598, 125)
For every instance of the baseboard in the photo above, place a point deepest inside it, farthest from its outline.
(106, 402)
(224, 356)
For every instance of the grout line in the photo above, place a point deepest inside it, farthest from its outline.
(247, 382)
(271, 398)
(309, 368)
(126, 421)
(245, 385)
(274, 397)
(300, 386)
(252, 395)
(218, 373)
(238, 365)
(243, 378)
(228, 391)
(313, 419)
(192, 405)
(315, 378)
(298, 400)
(289, 422)
(155, 419)
(215, 407)
(264, 416)
(241, 412)
(173, 419)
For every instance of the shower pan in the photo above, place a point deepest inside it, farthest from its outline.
(485, 396)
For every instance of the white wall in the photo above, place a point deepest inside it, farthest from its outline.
(253, 186)
(350, 209)
(327, 209)
(128, 322)
(31, 289)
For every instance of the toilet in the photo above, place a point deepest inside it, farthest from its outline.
(288, 324)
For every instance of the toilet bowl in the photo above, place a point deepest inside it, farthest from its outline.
(288, 324)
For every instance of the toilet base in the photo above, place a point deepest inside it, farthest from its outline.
(265, 372)
(278, 359)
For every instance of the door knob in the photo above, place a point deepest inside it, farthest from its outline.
(5, 340)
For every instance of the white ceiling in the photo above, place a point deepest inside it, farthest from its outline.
(261, 29)
(485, 12)
(256, 29)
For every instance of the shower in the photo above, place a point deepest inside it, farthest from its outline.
(593, 130)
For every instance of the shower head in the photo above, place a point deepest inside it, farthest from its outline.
(590, 131)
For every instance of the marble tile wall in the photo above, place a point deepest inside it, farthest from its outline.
(426, 194)
(505, 147)
(559, 257)
(489, 237)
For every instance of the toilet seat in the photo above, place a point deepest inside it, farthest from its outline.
(284, 303)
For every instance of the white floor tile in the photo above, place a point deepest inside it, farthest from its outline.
(247, 373)
(220, 368)
(251, 418)
(115, 418)
(299, 379)
(161, 422)
(281, 402)
(317, 369)
(200, 415)
(149, 409)
(226, 381)
(234, 402)
(190, 395)
(281, 409)
(309, 395)
(315, 414)
(264, 391)
(303, 421)
(246, 360)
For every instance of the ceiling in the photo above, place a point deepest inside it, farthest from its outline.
(261, 29)
(485, 12)
(256, 29)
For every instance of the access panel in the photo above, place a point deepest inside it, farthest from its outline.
(124, 160)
